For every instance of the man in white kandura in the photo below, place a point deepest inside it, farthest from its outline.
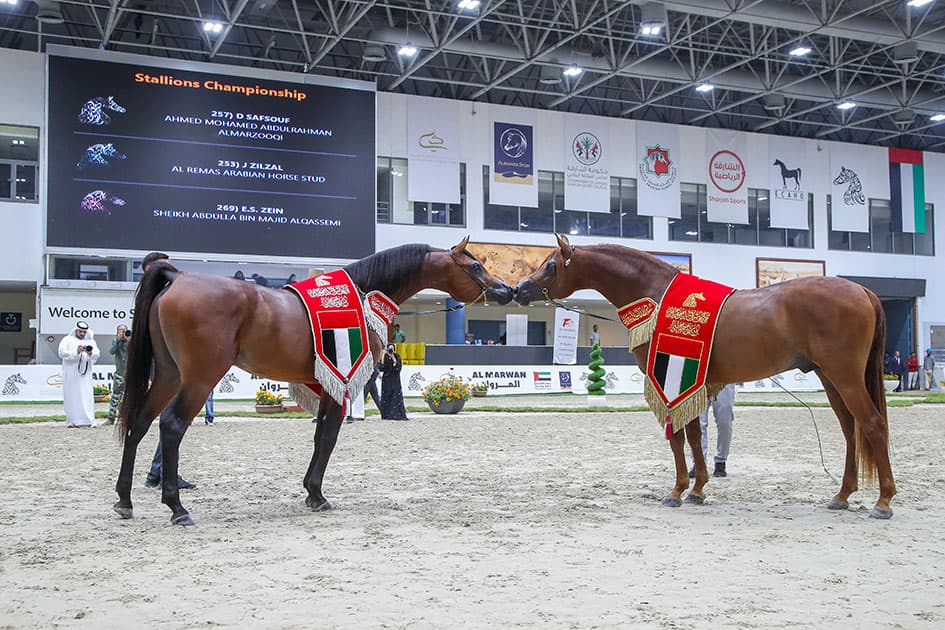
(78, 352)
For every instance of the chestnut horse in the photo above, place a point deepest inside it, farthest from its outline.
(192, 327)
(829, 325)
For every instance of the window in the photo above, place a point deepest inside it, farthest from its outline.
(694, 225)
(19, 163)
(551, 216)
(394, 207)
(881, 237)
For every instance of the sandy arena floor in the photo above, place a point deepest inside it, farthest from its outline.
(523, 520)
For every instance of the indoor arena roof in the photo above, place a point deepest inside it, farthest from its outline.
(771, 66)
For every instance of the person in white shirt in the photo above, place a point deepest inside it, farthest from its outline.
(78, 352)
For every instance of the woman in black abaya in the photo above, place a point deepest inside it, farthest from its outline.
(392, 395)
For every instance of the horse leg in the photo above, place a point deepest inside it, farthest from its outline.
(326, 435)
(677, 443)
(175, 419)
(161, 391)
(849, 485)
(694, 437)
(319, 416)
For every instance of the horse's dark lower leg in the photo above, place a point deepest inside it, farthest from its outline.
(849, 484)
(319, 429)
(174, 422)
(326, 436)
(677, 443)
(694, 437)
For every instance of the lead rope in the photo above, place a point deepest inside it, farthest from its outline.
(814, 422)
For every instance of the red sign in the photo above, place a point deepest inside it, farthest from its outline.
(726, 171)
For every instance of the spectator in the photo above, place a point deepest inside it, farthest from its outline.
(258, 279)
(208, 410)
(723, 406)
(292, 279)
(392, 394)
(78, 352)
(119, 350)
(239, 275)
(898, 367)
(913, 367)
(594, 336)
(399, 336)
(928, 366)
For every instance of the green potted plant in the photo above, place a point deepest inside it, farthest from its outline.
(267, 402)
(480, 389)
(101, 393)
(447, 394)
(890, 381)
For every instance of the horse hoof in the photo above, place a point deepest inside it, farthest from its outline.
(671, 502)
(183, 520)
(318, 506)
(880, 513)
(695, 499)
(123, 511)
(837, 504)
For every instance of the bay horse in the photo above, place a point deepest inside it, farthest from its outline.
(829, 325)
(192, 327)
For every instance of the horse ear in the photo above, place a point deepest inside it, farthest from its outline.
(564, 245)
(460, 247)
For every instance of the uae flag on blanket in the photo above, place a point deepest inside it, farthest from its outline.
(342, 342)
(907, 190)
(676, 364)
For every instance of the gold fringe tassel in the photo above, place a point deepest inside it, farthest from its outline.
(304, 397)
(681, 414)
(643, 332)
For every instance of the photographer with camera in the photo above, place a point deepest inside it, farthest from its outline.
(79, 353)
(119, 350)
(392, 394)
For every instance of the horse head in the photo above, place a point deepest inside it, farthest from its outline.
(551, 278)
(109, 103)
(467, 279)
(843, 177)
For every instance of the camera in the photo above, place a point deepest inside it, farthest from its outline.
(87, 348)
(127, 333)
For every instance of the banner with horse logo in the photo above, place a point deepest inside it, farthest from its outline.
(433, 150)
(787, 176)
(678, 358)
(658, 151)
(586, 163)
(339, 330)
(514, 181)
(858, 173)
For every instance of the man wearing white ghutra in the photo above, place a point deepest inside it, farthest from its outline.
(78, 352)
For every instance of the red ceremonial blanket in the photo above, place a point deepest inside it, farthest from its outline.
(678, 359)
(340, 330)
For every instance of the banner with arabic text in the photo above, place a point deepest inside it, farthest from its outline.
(586, 163)
(727, 185)
(658, 193)
(513, 180)
(433, 151)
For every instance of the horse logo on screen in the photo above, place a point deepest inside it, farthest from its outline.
(226, 385)
(415, 380)
(99, 155)
(10, 388)
(854, 192)
(789, 173)
(93, 111)
(100, 202)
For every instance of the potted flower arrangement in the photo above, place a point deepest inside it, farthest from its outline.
(890, 381)
(447, 394)
(101, 393)
(480, 389)
(267, 402)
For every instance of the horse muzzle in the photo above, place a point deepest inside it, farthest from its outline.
(501, 294)
(525, 291)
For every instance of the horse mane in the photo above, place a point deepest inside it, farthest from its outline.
(389, 270)
(622, 252)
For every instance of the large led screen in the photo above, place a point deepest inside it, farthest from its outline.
(152, 158)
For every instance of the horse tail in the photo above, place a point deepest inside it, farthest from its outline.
(798, 170)
(876, 389)
(140, 350)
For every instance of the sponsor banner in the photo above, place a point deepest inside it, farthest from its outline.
(516, 329)
(44, 382)
(658, 193)
(727, 177)
(858, 173)
(513, 181)
(587, 163)
(789, 190)
(907, 190)
(60, 309)
(433, 151)
(566, 334)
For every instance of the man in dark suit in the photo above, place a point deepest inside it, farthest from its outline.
(898, 367)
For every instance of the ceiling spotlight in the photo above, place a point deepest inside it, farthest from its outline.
(918, 3)
(10, 2)
(705, 87)
(572, 71)
(652, 19)
(845, 105)
(468, 5)
(214, 28)
(407, 50)
(800, 51)
(937, 118)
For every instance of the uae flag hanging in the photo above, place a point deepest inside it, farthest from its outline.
(907, 190)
